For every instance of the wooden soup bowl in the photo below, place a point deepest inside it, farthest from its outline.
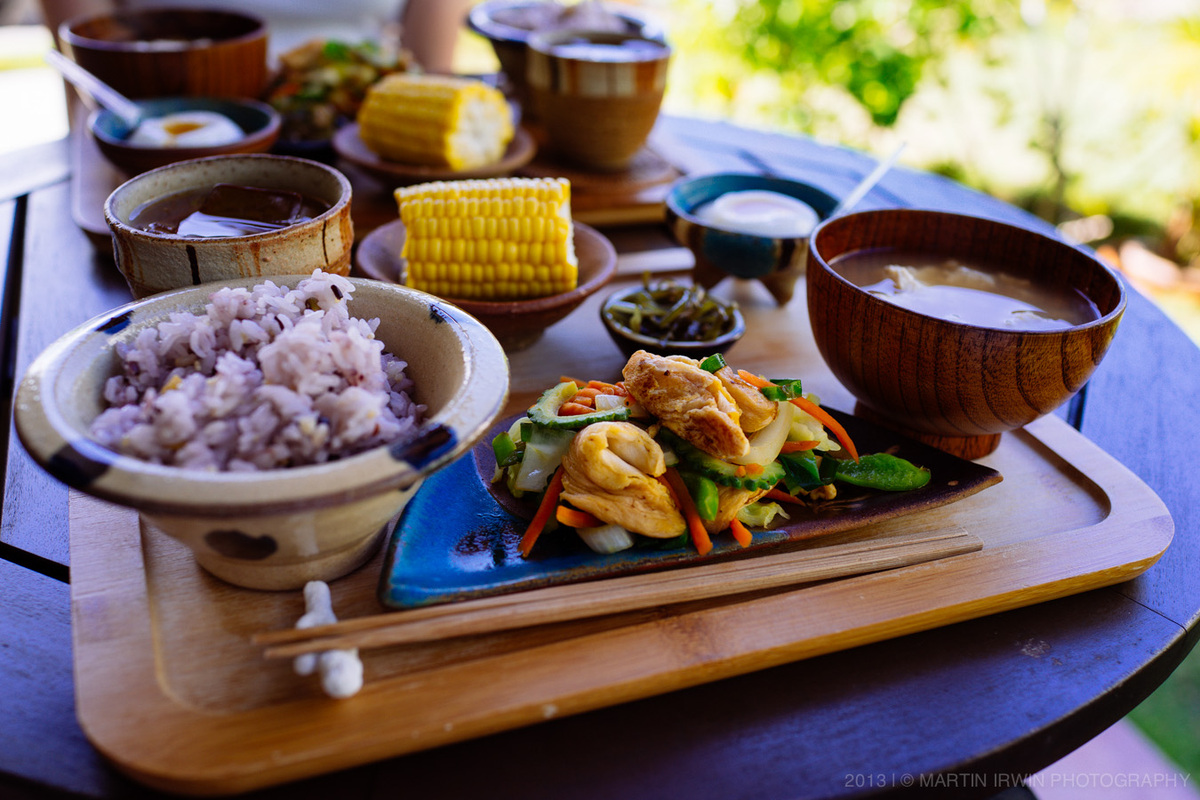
(168, 52)
(954, 385)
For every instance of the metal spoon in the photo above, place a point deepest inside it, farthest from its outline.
(868, 183)
(129, 112)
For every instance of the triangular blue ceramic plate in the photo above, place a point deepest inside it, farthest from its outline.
(455, 541)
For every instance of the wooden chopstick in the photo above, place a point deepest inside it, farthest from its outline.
(617, 595)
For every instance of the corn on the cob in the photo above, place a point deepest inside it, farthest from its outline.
(497, 239)
(436, 120)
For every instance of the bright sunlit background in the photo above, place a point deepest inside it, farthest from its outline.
(1086, 113)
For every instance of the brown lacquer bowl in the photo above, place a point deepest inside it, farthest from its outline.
(172, 52)
(955, 385)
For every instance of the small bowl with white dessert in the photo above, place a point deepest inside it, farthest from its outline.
(747, 226)
(180, 128)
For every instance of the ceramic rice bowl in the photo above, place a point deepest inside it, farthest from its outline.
(279, 528)
(159, 262)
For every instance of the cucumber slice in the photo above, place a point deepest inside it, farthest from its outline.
(693, 459)
(545, 410)
(544, 450)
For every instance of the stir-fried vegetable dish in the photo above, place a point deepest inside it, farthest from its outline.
(681, 450)
(321, 85)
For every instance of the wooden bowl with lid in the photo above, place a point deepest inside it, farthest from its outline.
(946, 381)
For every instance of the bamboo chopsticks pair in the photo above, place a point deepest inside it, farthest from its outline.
(621, 594)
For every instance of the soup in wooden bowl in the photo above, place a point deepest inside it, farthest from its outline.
(955, 329)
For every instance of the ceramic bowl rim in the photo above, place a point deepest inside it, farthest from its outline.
(156, 488)
(68, 34)
(269, 126)
(334, 209)
(543, 42)
(736, 332)
(768, 182)
(481, 20)
(815, 258)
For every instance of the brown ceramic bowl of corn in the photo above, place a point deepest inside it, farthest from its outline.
(504, 250)
(413, 128)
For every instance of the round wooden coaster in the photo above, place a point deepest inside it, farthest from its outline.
(648, 168)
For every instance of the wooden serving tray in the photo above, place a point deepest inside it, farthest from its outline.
(170, 688)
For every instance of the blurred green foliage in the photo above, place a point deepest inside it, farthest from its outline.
(876, 50)
(1067, 108)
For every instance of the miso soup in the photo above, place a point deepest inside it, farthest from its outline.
(225, 210)
(974, 294)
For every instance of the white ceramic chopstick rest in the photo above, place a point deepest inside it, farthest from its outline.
(341, 670)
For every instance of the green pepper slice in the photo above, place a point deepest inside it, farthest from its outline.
(882, 471)
(704, 494)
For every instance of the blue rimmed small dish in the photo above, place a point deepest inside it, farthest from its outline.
(275, 529)
(259, 122)
(720, 253)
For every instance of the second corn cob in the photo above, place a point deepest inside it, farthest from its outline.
(497, 239)
(436, 120)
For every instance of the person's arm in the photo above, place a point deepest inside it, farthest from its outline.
(430, 31)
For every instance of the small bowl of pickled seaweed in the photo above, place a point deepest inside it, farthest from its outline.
(670, 318)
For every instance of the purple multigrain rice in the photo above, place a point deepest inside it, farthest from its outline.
(264, 378)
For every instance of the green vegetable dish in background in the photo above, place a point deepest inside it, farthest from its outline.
(673, 312)
(321, 85)
(680, 451)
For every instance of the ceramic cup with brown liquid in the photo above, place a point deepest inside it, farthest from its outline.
(597, 94)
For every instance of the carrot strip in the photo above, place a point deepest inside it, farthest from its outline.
(601, 387)
(822, 416)
(740, 532)
(569, 379)
(782, 496)
(587, 393)
(571, 409)
(754, 380)
(544, 511)
(797, 447)
(574, 518)
(811, 408)
(754, 469)
(679, 492)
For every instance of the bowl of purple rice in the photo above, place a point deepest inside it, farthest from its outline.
(275, 426)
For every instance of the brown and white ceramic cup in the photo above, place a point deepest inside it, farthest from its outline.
(597, 94)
